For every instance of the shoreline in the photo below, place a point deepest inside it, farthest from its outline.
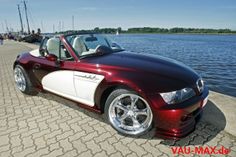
(182, 33)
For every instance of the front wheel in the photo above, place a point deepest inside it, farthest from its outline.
(22, 81)
(128, 112)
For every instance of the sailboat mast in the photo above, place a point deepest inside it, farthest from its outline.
(26, 15)
(53, 28)
(22, 29)
(7, 26)
(42, 29)
(73, 23)
(3, 27)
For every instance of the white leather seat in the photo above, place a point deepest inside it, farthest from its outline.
(79, 46)
(53, 46)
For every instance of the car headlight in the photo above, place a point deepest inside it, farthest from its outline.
(178, 96)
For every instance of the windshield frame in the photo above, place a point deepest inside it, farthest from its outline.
(92, 54)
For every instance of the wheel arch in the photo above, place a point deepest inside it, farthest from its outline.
(14, 64)
(107, 91)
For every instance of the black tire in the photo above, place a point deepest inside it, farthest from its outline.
(29, 89)
(116, 93)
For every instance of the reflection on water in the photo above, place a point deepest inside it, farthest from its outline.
(212, 56)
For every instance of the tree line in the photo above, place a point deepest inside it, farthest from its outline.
(157, 30)
(179, 30)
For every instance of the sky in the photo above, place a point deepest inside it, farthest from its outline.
(89, 14)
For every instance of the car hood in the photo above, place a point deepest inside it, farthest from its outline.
(151, 66)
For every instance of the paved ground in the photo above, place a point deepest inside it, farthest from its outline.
(46, 125)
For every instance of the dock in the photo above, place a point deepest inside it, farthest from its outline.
(47, 125)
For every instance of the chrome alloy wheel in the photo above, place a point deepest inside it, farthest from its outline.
(19, 79)
(130, 114)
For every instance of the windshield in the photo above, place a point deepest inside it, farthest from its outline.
(87, 44)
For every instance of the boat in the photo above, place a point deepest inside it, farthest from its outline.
(30, 37)
(117, 32)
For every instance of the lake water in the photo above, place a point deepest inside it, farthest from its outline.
(212, 56)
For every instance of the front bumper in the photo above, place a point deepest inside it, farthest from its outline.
(176, 121)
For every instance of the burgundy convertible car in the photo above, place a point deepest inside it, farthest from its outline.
(135, 92)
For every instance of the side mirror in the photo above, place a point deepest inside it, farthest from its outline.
(51, 57)
(101, 50)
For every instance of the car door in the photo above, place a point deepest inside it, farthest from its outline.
(56, 76)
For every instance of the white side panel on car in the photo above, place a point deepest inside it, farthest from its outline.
(60, 82)
(78, 86)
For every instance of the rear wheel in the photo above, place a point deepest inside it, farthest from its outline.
(22, 81)
(128, 112)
